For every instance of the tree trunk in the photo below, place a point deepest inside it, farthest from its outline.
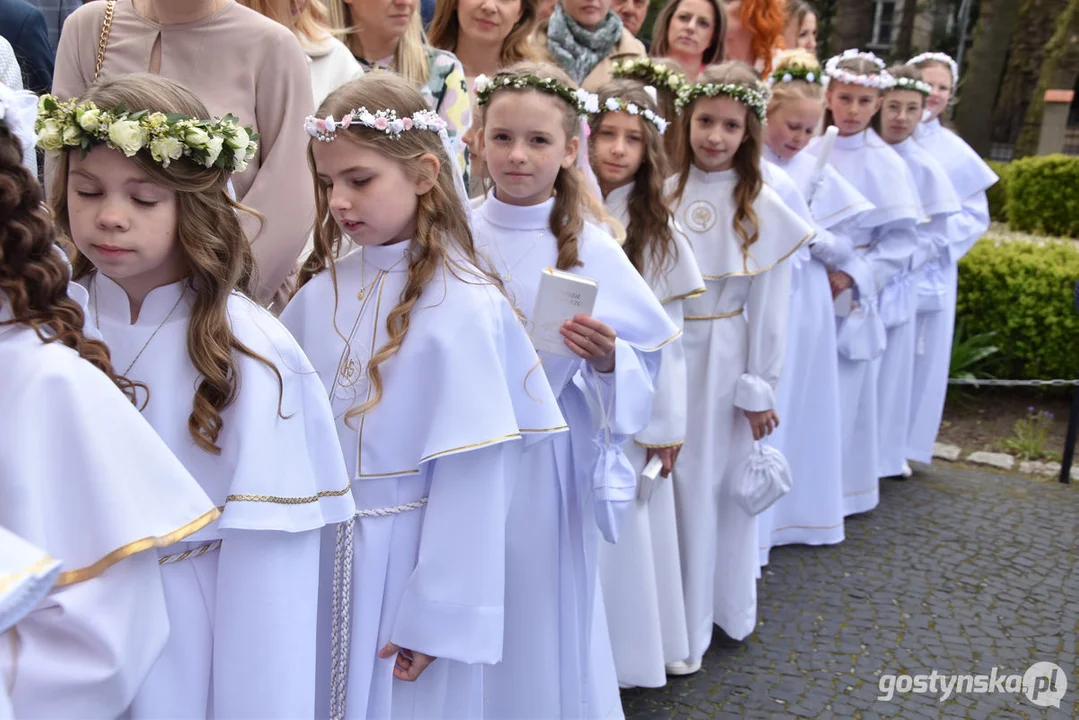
(1058, 71)
(1033, 30)
(905, 38)
(852, 26)
(986, 61)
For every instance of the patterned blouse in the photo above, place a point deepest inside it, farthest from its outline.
(446, 92)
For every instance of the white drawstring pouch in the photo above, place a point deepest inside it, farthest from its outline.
(763, 478)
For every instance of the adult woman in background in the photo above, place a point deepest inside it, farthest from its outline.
(755, 32)
(692, 33)
(584, 38)
(329, 60)
(256, 71)
(800, 28)
(485, 35)
(389, 34)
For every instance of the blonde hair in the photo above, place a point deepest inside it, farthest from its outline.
(717, 48)
(215, 250)
(441, 221)
(747, 159)
(444, 32)
(648, 236)
(310, 25)
(410, 56)
(572, 200)
(801, 61)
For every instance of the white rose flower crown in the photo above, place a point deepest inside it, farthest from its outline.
(614, 104)
(221, 143)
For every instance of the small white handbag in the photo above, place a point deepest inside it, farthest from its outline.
(763, 478)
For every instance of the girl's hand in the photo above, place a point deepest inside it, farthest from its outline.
(763, 424)
(839, 281)
(668, 456)
(409, 664)
(592, 340)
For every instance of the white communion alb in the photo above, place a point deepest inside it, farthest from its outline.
(641, 575)
(970, 177)
(243, 610)
(884, 242)
(809, 434)
(557, 660)
(88, 481)
(434, 465)
(735, 343)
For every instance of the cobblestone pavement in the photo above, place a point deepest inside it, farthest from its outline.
(956, 571)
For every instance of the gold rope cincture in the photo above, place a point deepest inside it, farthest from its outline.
(194, 552)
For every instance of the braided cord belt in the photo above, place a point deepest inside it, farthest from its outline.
(341, 623)
(189, 554)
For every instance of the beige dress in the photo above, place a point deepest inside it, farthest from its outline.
(238, 62)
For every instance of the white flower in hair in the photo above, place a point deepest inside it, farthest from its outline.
(651, 93)
(587, 101)
(611, 104)
(632, 109)
(166, 149)
(128, 136)
(811, 77)
(481, 83)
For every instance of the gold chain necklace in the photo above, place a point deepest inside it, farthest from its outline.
(97, 322)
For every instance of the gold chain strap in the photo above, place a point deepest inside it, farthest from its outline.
(103, 42)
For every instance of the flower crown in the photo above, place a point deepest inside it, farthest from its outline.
(941, 58)
(902, 83)
(755, 96)
(790, 74)
(584, 101)
(649, 72)
(880, 80)
(325, 129)
(220, 143)
(613, 104)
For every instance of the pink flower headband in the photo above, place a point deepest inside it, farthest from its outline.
(325, 129)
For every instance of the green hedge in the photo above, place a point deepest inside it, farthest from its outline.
(1023, 291)
(1043, 195)
(998, 194)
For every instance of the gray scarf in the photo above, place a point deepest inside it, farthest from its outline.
(578, 49)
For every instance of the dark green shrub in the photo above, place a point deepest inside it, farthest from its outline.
(998, 194)
(1022, 291)
(1043, 195)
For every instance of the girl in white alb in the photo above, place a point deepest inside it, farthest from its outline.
(84, 480)
(884, 243)
(558, 660)
(810, 438)
(437, 392)
(163, 257)
(641, 575)
(900, 113)
(742, 235)
(970, 178)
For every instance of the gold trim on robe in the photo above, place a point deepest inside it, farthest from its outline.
(70, 577)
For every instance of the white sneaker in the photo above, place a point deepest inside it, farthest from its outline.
(683, 667)
(906, 472)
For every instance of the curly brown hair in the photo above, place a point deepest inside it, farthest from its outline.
(33, 274)
(649, 238)
(216, 251)
(747, 159)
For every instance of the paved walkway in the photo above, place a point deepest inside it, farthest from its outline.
(956, 571)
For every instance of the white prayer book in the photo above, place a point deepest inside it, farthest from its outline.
(646, 484)
(561, 295)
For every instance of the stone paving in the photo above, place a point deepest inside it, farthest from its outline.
(957, 571)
